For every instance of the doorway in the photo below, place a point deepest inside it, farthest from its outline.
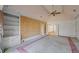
(52, 29)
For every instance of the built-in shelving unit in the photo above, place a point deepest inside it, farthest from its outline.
(11, 25)
(11, 28)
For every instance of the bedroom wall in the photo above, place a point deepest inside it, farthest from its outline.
(42, 28)
(67, 29)
(66, 25)
(77, 27)
(30, 27)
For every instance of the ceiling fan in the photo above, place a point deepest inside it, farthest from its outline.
(54, 13)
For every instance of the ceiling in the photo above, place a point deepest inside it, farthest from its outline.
(41, 11)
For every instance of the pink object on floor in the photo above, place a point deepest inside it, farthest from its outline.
(21, 50)
(73, 46)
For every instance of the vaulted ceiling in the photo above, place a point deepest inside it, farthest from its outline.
(68, 12)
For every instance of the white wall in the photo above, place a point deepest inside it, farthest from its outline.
(57, 29)
(42, 28)
(67, 29)
(77, 27)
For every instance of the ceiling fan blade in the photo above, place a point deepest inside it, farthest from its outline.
(53, 14)
(58, 13)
